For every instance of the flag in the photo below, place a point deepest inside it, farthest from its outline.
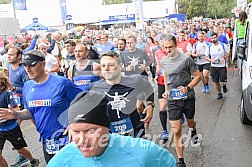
(20, 4)
(63, 9)
(139, 16)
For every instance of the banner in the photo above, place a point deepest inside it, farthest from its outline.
(139, 17)
(20, 4)
(63, 9)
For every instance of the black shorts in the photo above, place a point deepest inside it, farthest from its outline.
(178, 107)
(219, 74)
(161, 90)
(14, 136)
(204, 67)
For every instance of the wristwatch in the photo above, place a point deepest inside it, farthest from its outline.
(188, 88)
(151, 103)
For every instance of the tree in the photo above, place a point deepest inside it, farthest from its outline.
(5, 1)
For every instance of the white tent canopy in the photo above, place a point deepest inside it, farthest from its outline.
(9, 26)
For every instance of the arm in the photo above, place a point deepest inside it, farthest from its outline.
(189, 49)
(165, 94)
(12, 113)
(194, 52)
(51, 47)
(32, 45)
(70, 72)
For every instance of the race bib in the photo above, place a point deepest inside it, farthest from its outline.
(202, 56)
(177, 95)
(121, 127)
(52, 146)
(17, 98)
(217, 61)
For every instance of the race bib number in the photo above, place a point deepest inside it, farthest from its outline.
(52, 146)
(177, 95)
(17, 98)
(121, 127)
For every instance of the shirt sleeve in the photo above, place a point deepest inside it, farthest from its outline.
(192, 65)
(72, 89)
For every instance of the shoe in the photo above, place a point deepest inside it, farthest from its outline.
(203, 89)
(182, 119)
(181, 164)
(164, 135)
(36, 164)
(219, 96)
(20, 161)
(225, 90)
(207, 89)
(194, 137)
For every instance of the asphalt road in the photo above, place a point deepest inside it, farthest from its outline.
(225, 141)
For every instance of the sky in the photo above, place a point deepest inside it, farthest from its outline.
(48, 11)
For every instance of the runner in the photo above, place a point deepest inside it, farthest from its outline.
(84, 71)
(102, 148)
(217, 57)
(46, 96)
(135, 61)
(122, 91)
(52, 65)
(179, 91)
(10, 130)
(200, 50)
(184, 46)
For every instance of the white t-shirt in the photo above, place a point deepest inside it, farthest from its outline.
(55, 50)
(202, 48)
(217, 52)
(50, 62)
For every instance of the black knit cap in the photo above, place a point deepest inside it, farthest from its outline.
(89, 107)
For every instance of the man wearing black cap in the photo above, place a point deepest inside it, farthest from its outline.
(122, 91)
(45, 96)
(92, 145)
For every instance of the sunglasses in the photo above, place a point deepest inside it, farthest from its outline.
(32, 64)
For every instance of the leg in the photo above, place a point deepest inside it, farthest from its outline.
(162, 107)
(3, 162)
(175, 113)
(23, 151)
(176, 126)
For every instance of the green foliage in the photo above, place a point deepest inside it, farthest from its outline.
(5, 1)
(207, 8)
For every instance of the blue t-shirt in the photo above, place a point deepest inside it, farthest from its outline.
(18, 77)
(121, 151)
(5, 99)
(47, 101)
(223, 39)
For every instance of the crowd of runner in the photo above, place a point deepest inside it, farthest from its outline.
(41, 76)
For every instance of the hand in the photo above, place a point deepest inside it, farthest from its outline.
(222, 60)
(213, 60)
(197, 54)
(183, 89)
(142, 67)
(165, 95)
(67, 131)
(6, 114)
(149, 114)
(129, 68)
